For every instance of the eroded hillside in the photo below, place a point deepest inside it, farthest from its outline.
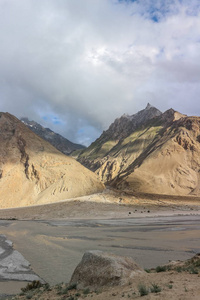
(33, 172)
(121, 144)
(170, 165)
(160, 154)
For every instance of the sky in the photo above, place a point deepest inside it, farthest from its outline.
(76, 65)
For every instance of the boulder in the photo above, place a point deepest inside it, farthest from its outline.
(99, 269)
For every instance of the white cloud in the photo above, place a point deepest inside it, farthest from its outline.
(95, 60)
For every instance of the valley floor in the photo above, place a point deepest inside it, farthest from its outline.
(109, 204)
(54, 237)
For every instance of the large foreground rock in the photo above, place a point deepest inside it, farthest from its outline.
(98, 269)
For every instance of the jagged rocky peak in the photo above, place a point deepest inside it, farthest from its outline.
(126, 124)
(148, 106)
(148, 113)
(154, 110)
(57, 140)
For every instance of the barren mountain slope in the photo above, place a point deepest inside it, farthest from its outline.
(121, 144)
(160, 154)
(34, 172)
(170, 164)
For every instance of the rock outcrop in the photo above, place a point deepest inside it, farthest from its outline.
(100, 269)
(33, 172)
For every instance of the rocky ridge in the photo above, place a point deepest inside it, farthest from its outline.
(55, 139)
(111, 153)
(149, 152)
(125, 125)
(170, 164)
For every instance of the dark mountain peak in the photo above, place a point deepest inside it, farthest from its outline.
(148, 106)
(146, 114)
(57, 140)
(126, 124)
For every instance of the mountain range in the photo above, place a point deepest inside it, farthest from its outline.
(149, 152)
(55, 139)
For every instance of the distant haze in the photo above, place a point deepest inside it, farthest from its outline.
(75, 66)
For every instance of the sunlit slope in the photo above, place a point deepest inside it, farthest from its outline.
(170, 165)
(34, 172)
(121, 144)
(160, 155)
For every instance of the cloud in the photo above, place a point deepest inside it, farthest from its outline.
(75, 66)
